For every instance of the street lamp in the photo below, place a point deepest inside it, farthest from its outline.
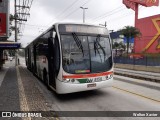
(83, 13)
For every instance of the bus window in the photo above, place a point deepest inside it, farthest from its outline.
(100, 52)
(86, 54)
(75, 54)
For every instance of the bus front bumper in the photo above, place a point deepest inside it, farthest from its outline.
(63, 88)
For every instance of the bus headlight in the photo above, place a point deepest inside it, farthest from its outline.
(72, 80)
(67, 80)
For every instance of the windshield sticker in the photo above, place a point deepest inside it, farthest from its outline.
(82, 71)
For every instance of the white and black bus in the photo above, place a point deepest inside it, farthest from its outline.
(72, 57)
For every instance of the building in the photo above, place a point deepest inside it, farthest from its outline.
(149, 42)
(115, 36)
(4, 31)
(4, 19)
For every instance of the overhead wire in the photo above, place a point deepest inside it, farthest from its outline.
(98, 18)
(74, 10)
(115, 12)
(63, 11)
(71, 5)
(106, 13)
(124, 15)
(67, 8)
(23, 14)
(109, 14)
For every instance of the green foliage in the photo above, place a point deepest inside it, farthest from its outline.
(12, 28)
(11, 52)
(130, 32)
(11, 18)
(119, 46)
(115, 45)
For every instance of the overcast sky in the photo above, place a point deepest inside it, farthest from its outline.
(44, 13)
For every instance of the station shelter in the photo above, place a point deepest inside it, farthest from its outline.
(7, 45)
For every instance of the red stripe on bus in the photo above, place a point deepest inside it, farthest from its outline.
(87, 75)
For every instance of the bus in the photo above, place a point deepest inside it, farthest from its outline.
(71, 57)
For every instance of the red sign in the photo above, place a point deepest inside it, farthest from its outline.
(129, 4)
(147, 3)
(3, 25)
(149, 42)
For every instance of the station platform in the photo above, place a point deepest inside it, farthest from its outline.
(20, 91)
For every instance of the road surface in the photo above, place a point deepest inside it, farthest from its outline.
(126, 95)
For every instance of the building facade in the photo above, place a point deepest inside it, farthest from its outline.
(149, 42)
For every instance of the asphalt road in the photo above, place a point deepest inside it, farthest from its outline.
(123, 96)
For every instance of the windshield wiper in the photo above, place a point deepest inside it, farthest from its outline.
(78, 42)
(96, 44)
(96, 49)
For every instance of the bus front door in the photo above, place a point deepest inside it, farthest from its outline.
(51, 64)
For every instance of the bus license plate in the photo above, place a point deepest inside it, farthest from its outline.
(91, 85)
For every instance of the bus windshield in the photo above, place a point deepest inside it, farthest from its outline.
(86, 54)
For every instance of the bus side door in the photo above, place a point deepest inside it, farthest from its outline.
(51, 63)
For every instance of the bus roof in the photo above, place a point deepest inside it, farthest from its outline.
(61, 23)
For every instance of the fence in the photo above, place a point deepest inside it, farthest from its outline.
(146, 61)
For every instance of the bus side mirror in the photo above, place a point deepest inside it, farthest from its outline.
(54, 34)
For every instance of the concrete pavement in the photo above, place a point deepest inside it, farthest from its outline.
(150, 76)
(19, 91)
(146, 89)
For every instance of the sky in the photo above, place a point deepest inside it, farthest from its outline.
(44, 13)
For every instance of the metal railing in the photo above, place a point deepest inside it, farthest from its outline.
(146, 61)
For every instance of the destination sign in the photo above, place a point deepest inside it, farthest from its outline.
(88, 29)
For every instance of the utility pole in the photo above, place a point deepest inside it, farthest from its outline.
(15, 17)
(83, 13)
(105, 24)
(18, 19)
(111, 31)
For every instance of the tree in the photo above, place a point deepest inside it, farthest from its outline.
(130, 32)
(115, 45)
(122, 46)
(12, 28)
